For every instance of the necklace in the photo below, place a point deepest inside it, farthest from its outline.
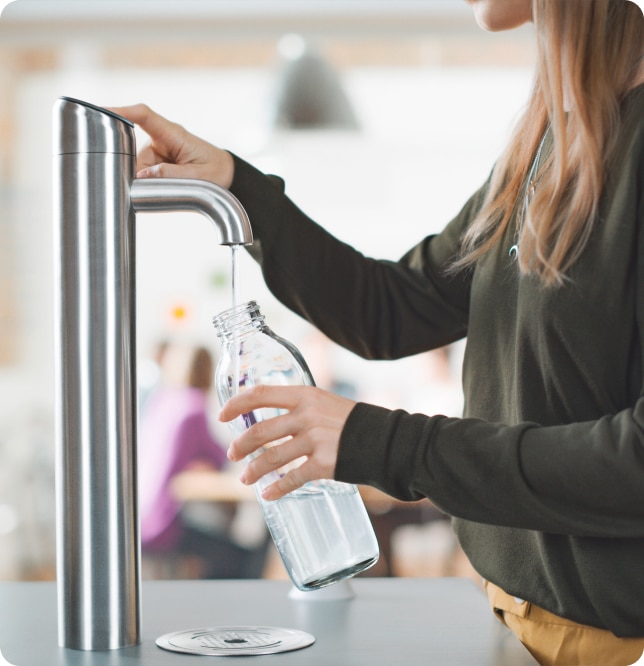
(528, 193)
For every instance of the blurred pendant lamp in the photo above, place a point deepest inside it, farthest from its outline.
(309, 93)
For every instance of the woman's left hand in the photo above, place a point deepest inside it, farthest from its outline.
(312, 424)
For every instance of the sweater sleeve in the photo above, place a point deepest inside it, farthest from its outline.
(579, 471)
(581, 479)
(378, 309)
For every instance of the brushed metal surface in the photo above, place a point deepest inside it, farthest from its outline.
(200, 196)
(98, 542)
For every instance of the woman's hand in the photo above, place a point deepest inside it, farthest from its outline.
(173, 152)
(312, 424)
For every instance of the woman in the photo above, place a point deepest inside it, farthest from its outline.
(543, 270)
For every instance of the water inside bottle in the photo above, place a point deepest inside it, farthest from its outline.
(322, 532)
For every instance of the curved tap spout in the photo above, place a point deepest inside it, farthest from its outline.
(201, 196)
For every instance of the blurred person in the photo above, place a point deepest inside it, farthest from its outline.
(543, 271)
(174, 436)
(150, 372)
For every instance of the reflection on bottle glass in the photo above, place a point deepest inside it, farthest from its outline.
(322, 530)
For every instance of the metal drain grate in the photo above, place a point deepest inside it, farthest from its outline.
(242, 641)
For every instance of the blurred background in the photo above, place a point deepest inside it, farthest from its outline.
(383, 116)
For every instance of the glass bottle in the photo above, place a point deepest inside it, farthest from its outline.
(321, 530)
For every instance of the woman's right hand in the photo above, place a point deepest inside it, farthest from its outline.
(172, 152)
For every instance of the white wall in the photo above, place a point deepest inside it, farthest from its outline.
(429, 138)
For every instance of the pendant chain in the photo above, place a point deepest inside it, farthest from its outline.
(529, 190)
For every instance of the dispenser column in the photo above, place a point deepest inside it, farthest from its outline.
(98, 534)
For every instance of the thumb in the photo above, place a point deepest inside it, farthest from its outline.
(166, 170)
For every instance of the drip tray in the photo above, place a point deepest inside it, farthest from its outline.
(230, 641)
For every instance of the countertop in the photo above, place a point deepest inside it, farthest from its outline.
(389, 622)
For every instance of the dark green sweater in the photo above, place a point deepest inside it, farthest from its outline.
(545, 474)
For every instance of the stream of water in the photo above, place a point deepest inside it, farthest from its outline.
(235, 296)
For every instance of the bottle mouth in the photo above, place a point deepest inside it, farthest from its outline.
(230, 319)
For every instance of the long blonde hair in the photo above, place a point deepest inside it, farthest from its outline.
(588, 55)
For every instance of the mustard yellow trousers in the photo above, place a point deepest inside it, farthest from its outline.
(555, 641)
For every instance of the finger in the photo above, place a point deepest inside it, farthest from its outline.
(146, 157)
(149, 121)
(151, 163)
(167, 170)
(257, 397)
(166, 137)
(271, 460)
(295, 479)
(261, 434)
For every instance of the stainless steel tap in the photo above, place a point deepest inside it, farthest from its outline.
(95, 200)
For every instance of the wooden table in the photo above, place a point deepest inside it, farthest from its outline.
(207, 485)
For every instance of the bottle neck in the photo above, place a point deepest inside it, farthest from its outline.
(238, 321)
